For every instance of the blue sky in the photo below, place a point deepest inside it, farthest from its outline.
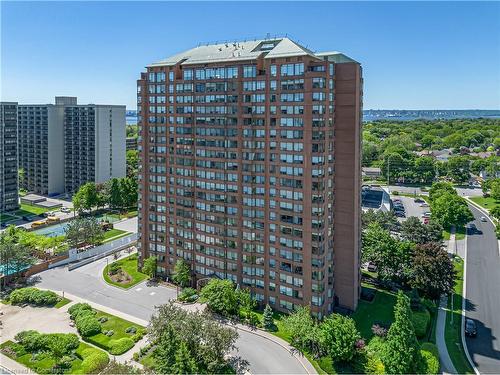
(415, 55)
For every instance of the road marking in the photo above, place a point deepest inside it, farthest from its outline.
(138, 289)
(152, 293)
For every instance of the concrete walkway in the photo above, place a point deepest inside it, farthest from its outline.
(446, 363)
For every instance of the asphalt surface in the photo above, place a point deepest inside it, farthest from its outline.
(483, 295)
(263, 356)
(469, 192)
(411, 208)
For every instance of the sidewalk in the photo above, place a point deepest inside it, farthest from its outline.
(452, 243)
(446, 363)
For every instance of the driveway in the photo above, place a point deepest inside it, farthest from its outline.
(264, 356)
(483, 296)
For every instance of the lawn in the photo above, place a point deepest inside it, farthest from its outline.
(27, 209)
(61, 303)
(44, 363)
(129, 265)
(487, 203)
(131, 212)
(114, 234)
(115, 324)
(380, 310)
(459, 234)
(6, 217)
(453, 335)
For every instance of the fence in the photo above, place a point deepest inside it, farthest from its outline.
(78, 259)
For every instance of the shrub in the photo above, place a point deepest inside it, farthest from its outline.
(31, 340)
(379, 330)
(87, 324)
(77, 308)
(430, 359)
(103, 319)
(187, 295)
(110, 333)
(138, 335)
(34, 341)
(65, 362)
(34, 296)
(131, 329)
(94, 360)
(120, 346)
(135, 357)
(114, 268)
(420, 320)
(14, 349)
(374, 366)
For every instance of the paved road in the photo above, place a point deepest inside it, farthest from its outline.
(483, 296)
(416, 190)
(263, 356)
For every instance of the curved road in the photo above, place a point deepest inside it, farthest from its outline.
(263, 356)
(483, 295)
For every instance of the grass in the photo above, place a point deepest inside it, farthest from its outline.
(487, 203)
(380, 310)
(131, 212)
(45, 363)
(453, 333)
(114, 234)
(28, 209)
(459, 233)
(129, 265)
(61, 303)
(6, 217)
(114, 323)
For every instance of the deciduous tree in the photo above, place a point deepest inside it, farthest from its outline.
(182, 273)
(415, 231)
(338, 337)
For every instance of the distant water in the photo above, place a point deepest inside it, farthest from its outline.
(399, 115)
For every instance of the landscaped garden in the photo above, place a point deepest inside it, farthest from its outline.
(486, 202)
(109, 332)
(124, 273)
(54, 353)
(36, 297)
(28, 209)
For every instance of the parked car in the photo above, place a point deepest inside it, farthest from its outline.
(400, 214)
(418, 200)
(424, 204)
(483, 219)
(372, 267)
(426, 214)
(470, 328)
(66, 210)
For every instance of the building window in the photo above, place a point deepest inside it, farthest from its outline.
(170, 76)
(292, 69)
(249, 71)
(188, 74)
(274, 71)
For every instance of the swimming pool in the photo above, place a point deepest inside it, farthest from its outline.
(59, 229)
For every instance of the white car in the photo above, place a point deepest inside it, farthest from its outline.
(426, 214)
(424, 204)
(65, 210)
(483, 219)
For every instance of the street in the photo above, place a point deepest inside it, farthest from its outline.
(264, 356)
(483, 295)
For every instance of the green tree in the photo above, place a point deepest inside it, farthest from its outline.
(304, 331)
(450, 209)
(267, 317)
(116, 199)
(164, 353)
(84, 231)
(415, 231)
(149, 266)
(424, 169)
(439, 188)
(86, 197)
(128, 188)
(14, 257)
(495, 190)
(339, 336)
(246, 302)
(117, 368)
(21, 178)
(184, 362)
(433, 273)
(132, 163)
(220, 296)
(495, 212)
(182, 273)
(458, 168)
(386, 220)
(402, 352)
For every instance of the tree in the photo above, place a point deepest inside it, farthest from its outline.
(116, 199)
(128, 188)
(205, 339)
(182, 273)
(495, 190)
(21, 175)
(439, 188)
(450, 209)
(415, 231)
(84, 231)
(495, 212)
(424, 169)
(132, 157)
(304, 331)
(339, 336)
(401, 353)
(86, 197)
(14, 257)
(184, 362)
(433, 273)
(117, 368)
(267, 317)
(149, 266)
(386, 220)
(458, 168)
(246, 302)
(220, 296)
(391, 257)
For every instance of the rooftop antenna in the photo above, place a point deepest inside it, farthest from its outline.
(268, 36)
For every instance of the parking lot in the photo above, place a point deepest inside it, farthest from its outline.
(411, 207)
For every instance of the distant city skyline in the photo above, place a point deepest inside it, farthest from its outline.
(415, 55)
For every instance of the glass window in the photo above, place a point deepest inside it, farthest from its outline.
(170, 76)
(273, 71)
(188, 74)
(151, 77)
(249, 71)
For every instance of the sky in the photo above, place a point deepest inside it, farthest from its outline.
(415, 55)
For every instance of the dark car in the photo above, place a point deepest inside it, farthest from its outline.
(418, 200)
(470, 328)
(400, 214)
(472, 229)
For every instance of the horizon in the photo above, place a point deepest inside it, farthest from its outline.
(412, 53)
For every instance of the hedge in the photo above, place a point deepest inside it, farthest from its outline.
(77, 308)
(34, 296)
(430, 358)
(94, 360)
(34, 341)
(87, 324)
(421, 320)
(120, 346)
